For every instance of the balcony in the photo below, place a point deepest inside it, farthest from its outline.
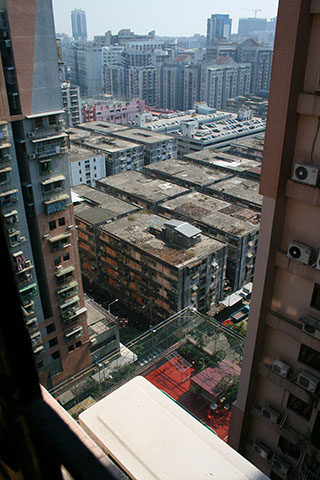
(68, 309)
(48, 146)
(68, 291)
(26, 293)
(73, 334)
(4, 132)
(5, 155)
(60, 242)
(8, 198)
(56, 204)
(64, 275)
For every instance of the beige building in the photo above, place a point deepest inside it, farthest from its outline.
(275, 421)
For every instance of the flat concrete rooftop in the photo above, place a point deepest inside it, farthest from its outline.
(187, 171)
(143, 186)
(238, 188)
(215, 213)
(109, 144)
(223, 160)
(143, 136)
(77, 154)
(98, 207)
(135, 230)
(101, 127)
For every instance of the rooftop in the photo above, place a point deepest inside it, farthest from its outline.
(187, 171)
(136, 231)
(214, 212)
(143, 186)
(166, 431)
(213, 128)
(98, 207)
(143, 136)
(77, 153)
(109, 144)
(101, 127)
(254, 141)
(239, 188)
(99, 320)
(224, 160)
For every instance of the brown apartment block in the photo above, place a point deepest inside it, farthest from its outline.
(156, 266)
(275, 420)
(35, 201)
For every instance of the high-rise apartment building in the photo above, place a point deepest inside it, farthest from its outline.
(275, 421)
(225, 79)
(260, 59)
(35, 202)
(249, 25)
(79, 24)
(218, 28)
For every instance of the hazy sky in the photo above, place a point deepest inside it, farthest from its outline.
(166, 17)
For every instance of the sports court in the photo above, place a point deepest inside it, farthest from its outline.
(173, 377)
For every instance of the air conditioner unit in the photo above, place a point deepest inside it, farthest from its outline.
(262, 450)
(280, 464)
(302, 253)
(281, 368)
(270, 414)
(60, 128)
(32, 156)
(58, 267)
(309, 174)
(311, 326)
(307, 381)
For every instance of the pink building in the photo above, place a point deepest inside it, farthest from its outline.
(114, 112)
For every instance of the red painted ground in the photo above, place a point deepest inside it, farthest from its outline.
(177, 384)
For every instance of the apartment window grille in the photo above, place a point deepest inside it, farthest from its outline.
(310, 357)
(289, 448)
(45, 167)
(315, 301)
(299, 406)
(38, 122)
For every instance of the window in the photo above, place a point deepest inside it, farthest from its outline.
(315, 301)
(299, 406)
(66, 257)
(310, 357)
(53, 342)
(51, 328)
(289, 448)
(52, 120)
(38, 122)
(52, 224)
(57, 261)
(61, 221)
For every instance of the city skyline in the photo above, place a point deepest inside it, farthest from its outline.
(140, 16)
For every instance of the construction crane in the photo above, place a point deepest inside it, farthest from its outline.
(255, 10)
